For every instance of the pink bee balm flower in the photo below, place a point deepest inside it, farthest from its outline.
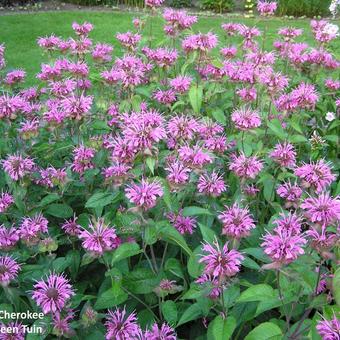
(211, 184)
(15, 77)
(116, 173)
(61, 324)
(289, 33)
(53, 294)
(221, 263)
(322, 241)
(247, 94)
(129, 40)
(9, 269)
(18, 167)
(317, 175)
(329, 329)
(194, 157)
(211, 282)
(162, 57)
(199, 42)
(165, 332)
(77, 107)
(290, 192)
(165, 96)
(289, 223)
(237, 222)
(153, 3)
(13, 331)
(82, 29)
(322, 209)
(182, 127)
(284, 154)
(283, 246)
(245, 118)
(245, 167)
(332, 85)
(6, 200)
(120, 326)
(178, 20)
(31, 227)
(230, 28)
(266, 8)
(102, 53)
(8, 237)
(145, 194)
(82, 159)
(184, 224)
(306, 96)
(71, 227)
(99, 238)
(228, 52)
(178, 173)
(181, 84)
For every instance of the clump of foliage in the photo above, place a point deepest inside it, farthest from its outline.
(172, 192)
(307, 8)
(218, 6)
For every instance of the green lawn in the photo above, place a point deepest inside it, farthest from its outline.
(20, 31)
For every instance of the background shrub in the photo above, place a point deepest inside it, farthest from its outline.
(180, 3)
(218, 6)
(309, 8)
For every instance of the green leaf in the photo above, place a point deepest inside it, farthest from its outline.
(193, 312)
(169, 310)
(194, 267)
(49, 199)
(168, 233)
(268, 189)
(249, 263)
(258, 292)
(59, 210)
(221, 329)
(208, 234)
(195, 97)
(265, 331)
(219, 115)
(101, 199)
(140, 281)
(173, 266)
(151, 162)
(336, 286)
(192, 211)
(111, 297)
(275, 126)
(297, 139)
(124, 251)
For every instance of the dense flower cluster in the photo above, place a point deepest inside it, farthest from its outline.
(165, 177)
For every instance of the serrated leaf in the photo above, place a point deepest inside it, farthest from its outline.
(59, 210)
(195, 97)
(221, 329)
(101, 199)
(265, 331)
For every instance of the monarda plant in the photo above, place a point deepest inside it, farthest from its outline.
(173, 192)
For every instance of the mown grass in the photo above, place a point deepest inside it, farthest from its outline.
(19, 32)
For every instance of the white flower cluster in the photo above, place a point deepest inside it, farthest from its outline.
(334, 6)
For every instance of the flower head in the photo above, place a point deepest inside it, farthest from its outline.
(329, 329)
(284, 154)
(211, 184)
(120, 326)
(145, 194)
(220, 262)
(99, 238)
(245, 119)
(8, 237)
(6, 201)
(53, 293)
(164, 332)
(184, 224)
(323, 209)
(283, 246)
(9, 269)
(237, 222)
(245, 167)
(17, 167)
(317, 175)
